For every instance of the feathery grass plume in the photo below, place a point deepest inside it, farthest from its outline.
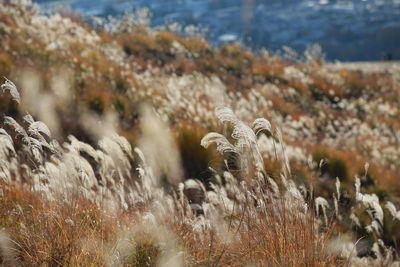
(293, 194)
(225, 114)
(260, 125)
(61, 84)
(31, 83)
(343, 247)
(223, 145)
(337, 186)
(374, 209)
(16, 126)
(99, 126)
(12, 89)
(123, 143)
(366, 167)
(392, 210)
(6, 144)
(36, 127)
(336, 206)
(245, 147)
(336, 198)
(146, 243)
(159, 148)
(7, 250)
(384, 256)
(113, 149)
(354, 219)
(286, 166)
(244, 135)
(322, 203)
(369, 201)
(42, 104)
(34, 146)
(172, 255)
(148, 182)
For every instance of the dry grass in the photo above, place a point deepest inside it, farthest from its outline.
(49, 233)
(57, 233)
(344, 117)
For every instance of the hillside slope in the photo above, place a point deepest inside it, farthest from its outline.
(330, 125)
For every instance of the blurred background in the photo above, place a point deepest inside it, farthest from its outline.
(347, 30)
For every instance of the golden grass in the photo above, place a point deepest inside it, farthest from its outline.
(57, 233)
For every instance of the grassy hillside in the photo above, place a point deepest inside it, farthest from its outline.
(123, 145)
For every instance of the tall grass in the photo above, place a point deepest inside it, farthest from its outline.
(189, 181)
(71, 203)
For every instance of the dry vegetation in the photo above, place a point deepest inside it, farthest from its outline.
(123, 145)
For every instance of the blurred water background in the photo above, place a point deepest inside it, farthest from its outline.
(347, 30)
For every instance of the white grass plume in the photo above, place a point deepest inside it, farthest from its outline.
(36, 127)
(223, 145)
(260, 125)
(6, 143)
(159, 147)
(15, 125)
(354, 219)
(369, 201)
(393, 211)
(337, 185)
(7, 250)
(322, 203)
(12, 89)
(246, 140)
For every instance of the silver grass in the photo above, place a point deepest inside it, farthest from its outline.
(385, 255)
(39, 127)
(6, 143)
(244, 135)
(337, 185)
(286, 166)
(261, 124)
(322, 162)
(113, 149)
(123, 143)
(140, 154)
(342, 246)
(43, 142)
(246, 141)
(32, 143)
(12, 89)
(393, 211)
(354, 219)
(29, 119)
(369, 201)
(160, 148)
(322, 203)
(35, 147)
(223, 145)
(274, 185)
(225, 114)
(374, 227)
(241, 132)
(337, 198)
(15, 125)
(336, 206)
(7, 250)
(81, 146)
(366, 167)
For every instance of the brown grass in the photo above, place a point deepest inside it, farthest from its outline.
(56, 233)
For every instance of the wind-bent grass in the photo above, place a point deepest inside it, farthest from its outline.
(292, 192)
